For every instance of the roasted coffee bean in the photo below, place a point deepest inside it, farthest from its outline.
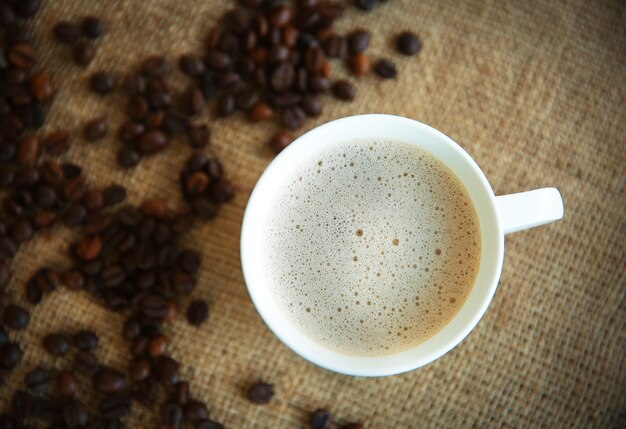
(73, 280)
(27, 8)
(15, 317)
(7, 14)
(292, 118)
(22, 56)
(180, 393)
(41, 87)
(247, 99)
(93, 200)
(135, 84)
(158, 346)
(335, 46)
(17, 33)
(194, 100)
(312, 105)
(319, 84)
(96, 129)
(366, 5)
(83, 53)
(139, 369)
(196, 184)
(85, 340)
(109, 381)
(171, 414)
(386, 69)
(217, 60)
(206, 83)
(56, 344)
(277, 54)
(358, 41)
(28, 150)
(114, 194)
(175, 124)
(66, 382)
(260, 393)
(408, 43)
(38, 379)
(261, 111)
(66, 32)
(91, 27)
(10, 355)
(192, 65)
(89, 248)
(198, 136)
(74, 414)
(226, 105)
(127, 157)
(153, 66)
(167, 371)
(51, 172)
(115, 406)
(196, 411)
(279, 141)
(130, 131)
(22, 405)
(86, 363)
(282, 77)
(359, 64)
(285, 99)
(152, 142)
(197, 312)
(208, 424)
(57, 142)
(102, 82)
(21, 230)
(5, 276)
(321, 419)
(344, 90)
(71, 170)
(75, 215)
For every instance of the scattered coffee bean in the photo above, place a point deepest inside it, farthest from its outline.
(359, 64)
(91, 27)
(260, 393)
(84, 52)
(38, 379)
(260, 112)
(57, 142)
(66, 382)
(196, 411)
(386, 69)
(56, 344)
(85, 341)
(279, 141)
(199, 136)
(127, 157)
(67, 32)
(10, 355)
(408, 43)
(22, 56)
(109, 381)
(344, 90)
(15, 317)
(74, 414)
(86, 363)
(41, 87)
(167, 371)
(102, 82)
(366, 5)
(321, 419)
(197, 312)
(358, 41)
(95, 129)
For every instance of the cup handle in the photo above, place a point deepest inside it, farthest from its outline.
(529, 209)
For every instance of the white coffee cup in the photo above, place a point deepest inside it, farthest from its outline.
(497, 216)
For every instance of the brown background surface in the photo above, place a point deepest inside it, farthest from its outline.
(535, 91)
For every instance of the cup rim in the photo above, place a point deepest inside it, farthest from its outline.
(373, 370)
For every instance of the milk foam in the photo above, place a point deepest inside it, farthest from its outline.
(373, 247)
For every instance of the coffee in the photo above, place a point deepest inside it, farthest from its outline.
(373, 247)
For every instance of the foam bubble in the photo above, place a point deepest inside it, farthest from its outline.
(408, 251)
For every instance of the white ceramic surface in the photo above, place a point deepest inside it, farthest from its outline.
(497, 216)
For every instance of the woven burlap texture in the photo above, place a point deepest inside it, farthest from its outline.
(535, 91)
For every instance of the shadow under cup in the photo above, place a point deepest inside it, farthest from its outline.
(384, 127)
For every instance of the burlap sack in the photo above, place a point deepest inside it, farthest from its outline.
(535, 91)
